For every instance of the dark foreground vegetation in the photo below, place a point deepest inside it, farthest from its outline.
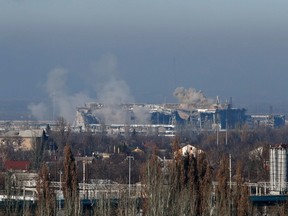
(178, 185)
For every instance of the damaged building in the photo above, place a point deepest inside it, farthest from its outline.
(161, 119)
(193, 112)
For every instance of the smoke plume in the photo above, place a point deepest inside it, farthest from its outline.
(104, 78)
(112, 91)
(192, 97)
(39, 111)
(114, 94)
(61, 103)
(142, 115)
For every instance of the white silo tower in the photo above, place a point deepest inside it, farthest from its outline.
(278, 168)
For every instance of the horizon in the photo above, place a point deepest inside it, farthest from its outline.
(67, 53)
(19, 109)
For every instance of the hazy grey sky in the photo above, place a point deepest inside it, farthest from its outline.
(149, 47)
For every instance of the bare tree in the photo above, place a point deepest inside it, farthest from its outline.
(70, 183)
(240, 194)
(222, 190)
(46, 197)
(182, 187)
(62, 133)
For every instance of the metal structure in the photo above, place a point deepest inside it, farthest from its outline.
(279, 168)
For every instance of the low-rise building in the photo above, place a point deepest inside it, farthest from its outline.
(17, 166)
(190, 150)
(22, 140)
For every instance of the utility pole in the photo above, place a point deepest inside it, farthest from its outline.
(230, 172)
(60, 188)
(230, 184)
(129, 184)
(53, 107)
(217, 134)
(217, 127)
(84, 178)
(226, 138)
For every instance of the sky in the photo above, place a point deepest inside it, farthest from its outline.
(73, 51)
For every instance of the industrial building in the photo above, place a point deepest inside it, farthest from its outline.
(273, 121)
(161, 119)
(279, 168)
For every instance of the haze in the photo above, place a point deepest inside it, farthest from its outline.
(142, 50)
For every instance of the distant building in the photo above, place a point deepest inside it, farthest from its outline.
(22, 140)
(138, 151)
(156, 119)
(225, 118)
(25, 179)
(18, 166)
(189, 150)
(273, 121)
(87, 160)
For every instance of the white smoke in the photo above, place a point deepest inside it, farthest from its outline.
(111, 91)
(61, 102)
(113, 115)
(104, 70)
(142, 115)
(192, 96)
(64, 104)
(39, 111)
(115, 92)
(56, 82)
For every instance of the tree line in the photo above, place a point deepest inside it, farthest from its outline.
(183, 187)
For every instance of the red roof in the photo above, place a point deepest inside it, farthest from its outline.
(17, 165)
